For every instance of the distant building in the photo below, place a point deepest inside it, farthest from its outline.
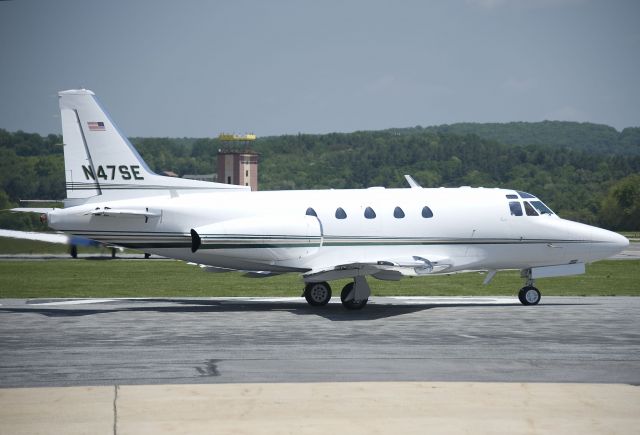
(238, 167)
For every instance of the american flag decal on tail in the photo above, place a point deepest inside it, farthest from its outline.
(96, 126)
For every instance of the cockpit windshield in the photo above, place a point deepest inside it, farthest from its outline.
(525, 195)
(532, 205)
(542, 209)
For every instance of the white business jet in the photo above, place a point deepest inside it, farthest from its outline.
(114, 198)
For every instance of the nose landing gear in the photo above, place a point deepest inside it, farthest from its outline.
(529, 295)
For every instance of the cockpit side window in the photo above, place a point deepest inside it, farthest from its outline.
(512, 196)
(542, 209)
(516, 208)
(529, 210)
(426, 212)
(311, 212)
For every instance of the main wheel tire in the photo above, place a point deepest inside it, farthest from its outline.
(317, 294)
(351, 304)
(521, 297)
(529, 295)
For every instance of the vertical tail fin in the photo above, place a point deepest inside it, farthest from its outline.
(96, 154)
(100, 161)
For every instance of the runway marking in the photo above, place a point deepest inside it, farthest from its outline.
(456, 300)
(259, 299)
(379, 300)
(75, 302)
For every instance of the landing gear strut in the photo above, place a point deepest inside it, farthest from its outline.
(355, 295)
(317, 294)
(529, 295)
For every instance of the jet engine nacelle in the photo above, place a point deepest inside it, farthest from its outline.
(262, 238)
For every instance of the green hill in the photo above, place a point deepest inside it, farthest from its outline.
(581, 136)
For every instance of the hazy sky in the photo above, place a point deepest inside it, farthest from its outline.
(198, 68)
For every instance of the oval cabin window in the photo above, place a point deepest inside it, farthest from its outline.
(369, 213)
(398, 213)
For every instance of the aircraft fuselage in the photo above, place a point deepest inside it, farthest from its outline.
(465, 228)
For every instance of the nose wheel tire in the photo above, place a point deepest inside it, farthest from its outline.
(317, 294)
(351, 304)
(529, 295)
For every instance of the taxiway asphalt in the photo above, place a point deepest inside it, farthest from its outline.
(228, 340)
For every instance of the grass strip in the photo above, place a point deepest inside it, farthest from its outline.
(85, 278)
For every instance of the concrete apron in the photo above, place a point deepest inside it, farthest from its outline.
(320, 408)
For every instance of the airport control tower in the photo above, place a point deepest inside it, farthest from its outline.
(237, 163)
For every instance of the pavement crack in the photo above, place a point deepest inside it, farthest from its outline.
(115, 409)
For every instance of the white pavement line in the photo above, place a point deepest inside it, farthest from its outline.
(456, 300)
(75, 302)
(265, 299)
(380, 300)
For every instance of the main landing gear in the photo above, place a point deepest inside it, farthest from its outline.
(317, 294)
(348, 298)
(529, 295)
(354, 296)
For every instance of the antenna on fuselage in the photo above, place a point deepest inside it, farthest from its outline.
(413, 183)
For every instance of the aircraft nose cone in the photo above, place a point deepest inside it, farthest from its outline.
(612, 242)
(619, 241)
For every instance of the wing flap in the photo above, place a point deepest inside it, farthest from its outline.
(390, 269)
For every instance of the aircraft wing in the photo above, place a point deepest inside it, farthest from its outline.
(389, 269)
(32, 209)
(41, 237)
(62, 239)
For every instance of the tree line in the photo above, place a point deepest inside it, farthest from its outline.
(600, 187)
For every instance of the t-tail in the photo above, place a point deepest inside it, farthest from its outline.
(100, 162)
